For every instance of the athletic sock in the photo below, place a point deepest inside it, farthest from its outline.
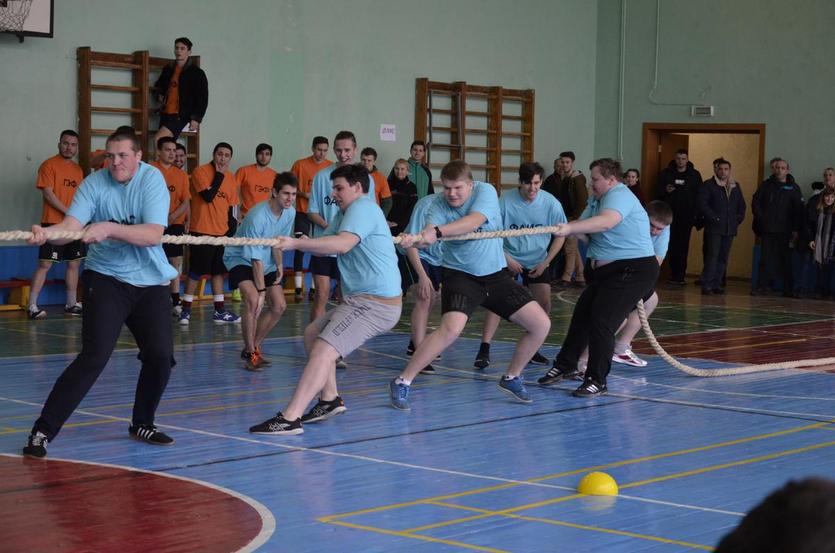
(621, 348)
(507, 377)
(187, 299)
(175, 299)
(219, 306)
(401, 380)
(72, 298)
(298, 280)
(33, 307)
(484, 347)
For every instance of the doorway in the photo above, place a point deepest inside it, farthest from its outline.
(741, 144)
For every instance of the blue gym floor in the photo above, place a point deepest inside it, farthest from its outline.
(466, 469)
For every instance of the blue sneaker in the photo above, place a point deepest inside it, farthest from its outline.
(516, 388)
(399, 395)
(185, 317)
(226, 317)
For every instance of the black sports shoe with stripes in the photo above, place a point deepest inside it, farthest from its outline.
(324, 410)
(149, 434)
(555, 374)
(278, 426)
(589, 388)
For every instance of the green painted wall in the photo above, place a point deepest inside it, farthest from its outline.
(757, 61)
(284, 71)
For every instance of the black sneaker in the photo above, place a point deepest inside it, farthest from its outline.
(555, 374)
(341, 364)
(36, 445)
(278, 426)
(36, 314)
(539, 359)
(324, 410)
(428, 369)
(589, 388)
(482, 358)
(410, 349)
(149, 434)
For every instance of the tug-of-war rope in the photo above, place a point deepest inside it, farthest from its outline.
(18, 235)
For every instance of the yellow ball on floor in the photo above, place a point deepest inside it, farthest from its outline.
(598, 483)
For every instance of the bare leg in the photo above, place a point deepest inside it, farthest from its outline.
(217, 285)
(452, 323)
(249, 314)
(320, 298)
(71, 281)
(163, 131)
(420, 317)
(491, 325)
(37, 281)
(536, 323)
(630, 329)
(270, 317)
(177, 263)
(318, 370)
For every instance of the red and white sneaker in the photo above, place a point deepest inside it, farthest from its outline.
(628, 358)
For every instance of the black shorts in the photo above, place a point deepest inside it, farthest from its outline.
(527, 280)
(302, 225)
(433, 272)
(648, 295)
(240, 273)
(65, 252)
(173, 123)
(174, 250)
(205, 259)
(324, 266)
(497, 292)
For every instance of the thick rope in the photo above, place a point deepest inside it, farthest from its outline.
(17, 235)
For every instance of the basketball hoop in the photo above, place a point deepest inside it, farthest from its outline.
(13, 14)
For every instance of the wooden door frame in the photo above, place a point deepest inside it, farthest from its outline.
(650, 168)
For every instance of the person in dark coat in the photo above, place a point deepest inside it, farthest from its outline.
(183, 93)
(820, 238)
(678, 185)
(722, 206)
(778, 214)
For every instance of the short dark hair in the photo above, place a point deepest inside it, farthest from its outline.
(181, 147)
(608, 167)
(165, 140)
(721, 161)
(319, 140)
(125, 133)
(354, 174)
(797, 517)
(368, 151)
(418, 143)
(455, 170)
(569, 154)
(67, 132)
(632, 170)
(775, 160)
(682, 151)
(345, 135)
(660, 211)
(527, 171)
(286, 178)
(263, 146)
(183, 40)
(223, 145)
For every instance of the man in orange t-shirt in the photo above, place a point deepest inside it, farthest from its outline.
(382, 192)
(178, 209)
(256, 180)
(58, 179)
(214, 191)
(305, 169)
(180, 158)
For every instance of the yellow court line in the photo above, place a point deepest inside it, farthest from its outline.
(614, 464)
(553, 522)
(402, 534)
(745, 346)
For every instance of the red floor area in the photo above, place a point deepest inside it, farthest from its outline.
(58, 506)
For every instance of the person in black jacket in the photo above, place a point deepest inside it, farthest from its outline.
(678, 185)
(183, 93)
(721, 204)
(778, 213)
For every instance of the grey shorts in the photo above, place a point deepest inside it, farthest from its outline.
(356, 321)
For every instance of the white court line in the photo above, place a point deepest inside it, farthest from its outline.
(267, 518)
(356, 457)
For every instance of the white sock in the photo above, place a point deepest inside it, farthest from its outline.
(621, 348)
(33, 307)
(507, 377)
(297, 278)
(401, 380)
(188, 297)
(217, 297)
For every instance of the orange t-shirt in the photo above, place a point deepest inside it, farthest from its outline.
(255, 185)
(305, 169)
(381, 187)
(105, 163)
(172, 95)
(63, 176)
(211, 217)
(178, 188)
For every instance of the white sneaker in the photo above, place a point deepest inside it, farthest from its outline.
(628, 358)
(176, 310)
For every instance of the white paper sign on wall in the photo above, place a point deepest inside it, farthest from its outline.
(388, 133)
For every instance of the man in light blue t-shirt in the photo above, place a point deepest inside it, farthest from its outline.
(125, 282)
(623, 268)
(474, 274)
(256, 270)
(530, 255)
(321, 211)
(360, 238)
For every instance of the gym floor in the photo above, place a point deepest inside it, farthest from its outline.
(466, 469)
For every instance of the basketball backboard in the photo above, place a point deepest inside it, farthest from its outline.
(27, 17)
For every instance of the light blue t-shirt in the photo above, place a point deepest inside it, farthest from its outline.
(321, 201)
(661, 242)
(417, 223)
(477, 257)
(370, 267)
(517, 213)
(629, 239)
(260, 222)
(143, 200)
